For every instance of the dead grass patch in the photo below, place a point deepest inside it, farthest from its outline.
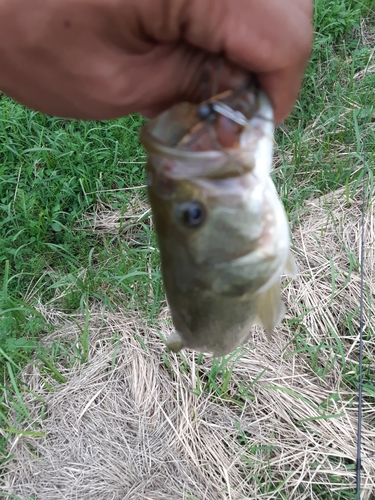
(138, 422)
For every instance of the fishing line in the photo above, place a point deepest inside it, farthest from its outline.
(361, 324)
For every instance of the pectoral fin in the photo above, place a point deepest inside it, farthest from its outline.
(174, 342)
(270, 309)
(290, 266)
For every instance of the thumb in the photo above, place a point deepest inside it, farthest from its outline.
(193, 76)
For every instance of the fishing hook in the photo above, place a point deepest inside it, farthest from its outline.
(361, 324)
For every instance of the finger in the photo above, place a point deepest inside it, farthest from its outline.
(179, 73)
(282, 87)
(202, 80)
(271, 39)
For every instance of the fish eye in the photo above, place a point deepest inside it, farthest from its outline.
(191, 214)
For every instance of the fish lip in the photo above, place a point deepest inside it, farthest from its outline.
(155, 145)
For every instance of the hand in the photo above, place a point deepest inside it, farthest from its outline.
(98, 59)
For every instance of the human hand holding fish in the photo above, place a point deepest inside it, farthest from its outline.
(98, 59)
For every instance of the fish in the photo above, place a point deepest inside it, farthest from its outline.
(222, 230)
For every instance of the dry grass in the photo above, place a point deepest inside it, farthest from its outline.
(138, 422)
(107, 221)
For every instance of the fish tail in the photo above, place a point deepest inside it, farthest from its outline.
(270, 309)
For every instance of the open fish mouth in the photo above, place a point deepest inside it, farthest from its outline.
(223, 233)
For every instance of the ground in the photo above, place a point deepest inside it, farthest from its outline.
(82, 291)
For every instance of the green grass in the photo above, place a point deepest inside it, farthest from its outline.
(322, 138)
(53, 172)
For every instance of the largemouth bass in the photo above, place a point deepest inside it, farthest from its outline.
(223, 233)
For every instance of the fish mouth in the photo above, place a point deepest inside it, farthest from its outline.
(160, 138)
